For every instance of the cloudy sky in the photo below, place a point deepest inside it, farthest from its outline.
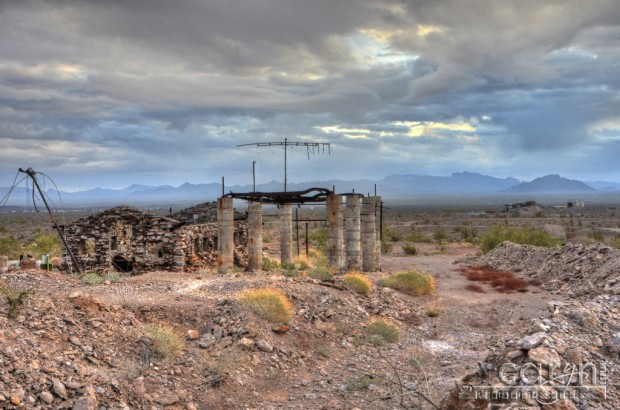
(108, 93)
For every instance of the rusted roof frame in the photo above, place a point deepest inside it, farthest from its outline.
(290, 197)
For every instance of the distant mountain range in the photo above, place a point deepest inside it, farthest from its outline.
(393, 186)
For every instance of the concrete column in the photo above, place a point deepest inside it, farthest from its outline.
(378, 231)
(225, 235)
(286, 233)
(335, 235)
(255, 236)
(353, 254)
(369, 235)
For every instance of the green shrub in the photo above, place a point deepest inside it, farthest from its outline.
(596, 236)
(93, 278)
(270, 264)
(525, 235)
(15, 297)
(323, 351)
(166, 341)
(44, 244)
(358, 282)
(417, 237)
(432, 313)
(290, 273)
(615, 242)
(321, 274)
(320, 237)
(267, 303)
(410, 249)
(410, 282)
(391, 235)
(358, 383)
(10, 247)
(384, 328)
(440, 235)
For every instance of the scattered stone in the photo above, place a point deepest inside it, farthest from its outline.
(264, 345)
(207, 340)
(193, 334)
(59, 388)
(246, 343)
(280, 328)
(531, 341)
(46, 397)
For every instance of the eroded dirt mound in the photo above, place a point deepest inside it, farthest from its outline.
(577, 270)
(567, 360)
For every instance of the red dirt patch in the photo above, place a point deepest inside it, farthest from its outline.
(503, 282)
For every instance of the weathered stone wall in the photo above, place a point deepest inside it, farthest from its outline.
(150, 241)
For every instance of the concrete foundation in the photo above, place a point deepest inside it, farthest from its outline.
(353, 233)
(369, 235)
(286, 234)
(225, 237)
(335, 238)
(255, 236)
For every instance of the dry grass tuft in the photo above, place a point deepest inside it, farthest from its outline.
(358, 282)
(410, 282)
(267, 303)
(166, 340)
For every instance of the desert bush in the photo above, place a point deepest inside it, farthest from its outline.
(388, 331)
(323, 351)
(596, 236)
(392, 235)
(44, 243)
(358, 282)
(270, 264)
(10, 247)
(301, 262)
(287, 266)
(358, 383)
(440, 235)
(432, 313)
(417, 237)
(468, 234)
(93, 278)
(320, 237)
(291, 273)
(166, 340)
(410, 249)
(525, 235)
(321, 273)
(615, 242)
(14, 296)
(410, 282)
(267, 303)
(386, 247)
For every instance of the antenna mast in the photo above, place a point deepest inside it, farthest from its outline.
(32, 174)
(286, 143)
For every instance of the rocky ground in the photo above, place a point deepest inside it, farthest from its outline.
(79, 346)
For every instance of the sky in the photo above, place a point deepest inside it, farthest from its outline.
(110, 93)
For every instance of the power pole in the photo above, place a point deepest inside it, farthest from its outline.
(286, 143)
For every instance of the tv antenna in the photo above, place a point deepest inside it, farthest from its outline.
(33, 175)
(315, 147)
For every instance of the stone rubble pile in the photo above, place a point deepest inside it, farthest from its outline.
(576, 270)
(568, 360)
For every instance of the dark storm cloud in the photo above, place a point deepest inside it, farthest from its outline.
(165, 90)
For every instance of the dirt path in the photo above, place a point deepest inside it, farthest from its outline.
(469, 325)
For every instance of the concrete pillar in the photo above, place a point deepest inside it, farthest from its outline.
(378, 231)
(225, 235)
(353, 254)
(255, 236)
(335, 235)
(369, 235)
(286, 233)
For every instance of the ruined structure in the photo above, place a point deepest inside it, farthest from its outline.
(127, 238)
